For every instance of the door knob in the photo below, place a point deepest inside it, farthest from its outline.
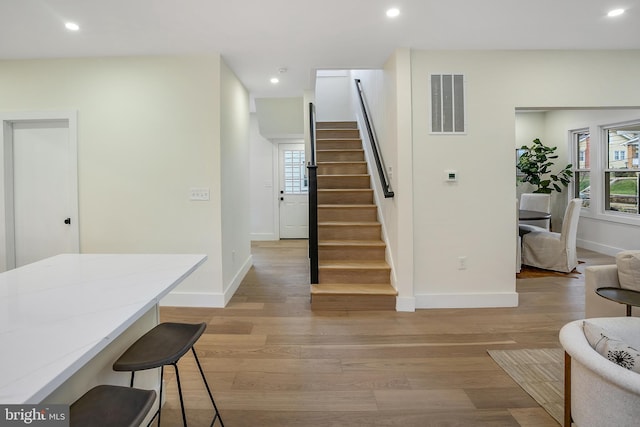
(67, 221)
(281, 199)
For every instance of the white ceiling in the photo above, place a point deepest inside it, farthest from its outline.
(258, 37)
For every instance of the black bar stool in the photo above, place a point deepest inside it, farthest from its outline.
(111, 406)
(164, 345)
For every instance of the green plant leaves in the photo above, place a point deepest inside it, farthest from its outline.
(536, 162)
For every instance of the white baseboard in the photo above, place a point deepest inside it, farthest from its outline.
(208, 299)
(237, 279)
(598, 247)
(484, 300)
(263, 236)
(405, 304)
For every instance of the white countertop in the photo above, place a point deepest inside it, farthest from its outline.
(58, 313)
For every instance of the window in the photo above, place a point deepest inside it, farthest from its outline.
(619, 155)
(581, 147)
(622, 168)
(295, 181)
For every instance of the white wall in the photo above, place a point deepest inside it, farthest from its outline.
(262, 190)
(529, 126)
(234, 180)
(381, 92)
(399, 131)
(149, 129)
(332, 99)
(475, 217)
(280, 117)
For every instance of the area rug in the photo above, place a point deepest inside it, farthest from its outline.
(527, 272)
(540, 372)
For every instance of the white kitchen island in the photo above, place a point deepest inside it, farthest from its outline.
(65, 319)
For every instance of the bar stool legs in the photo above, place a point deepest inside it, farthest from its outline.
(215, 407)
(165, 345)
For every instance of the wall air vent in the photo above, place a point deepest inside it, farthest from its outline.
(447, 104)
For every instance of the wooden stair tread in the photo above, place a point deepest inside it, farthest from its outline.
(376, 243)
(338, 150)
(354, 224)
(345, 190)
(343, 175)
(353, 206)
(342, 163)
(350, 223)
(353, 289)
(337, 124)
(365, 265)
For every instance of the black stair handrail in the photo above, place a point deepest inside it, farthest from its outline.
(313, 198)
(384, 181)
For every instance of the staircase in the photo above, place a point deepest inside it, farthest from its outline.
(352, 273)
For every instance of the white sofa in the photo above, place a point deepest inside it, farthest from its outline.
(598, 392)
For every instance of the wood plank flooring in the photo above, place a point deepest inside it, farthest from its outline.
(271, 361)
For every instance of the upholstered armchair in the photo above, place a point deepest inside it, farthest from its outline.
(599, 392)
(554, 251)
(625, 273)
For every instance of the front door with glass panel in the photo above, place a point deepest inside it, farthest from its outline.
(294, 199)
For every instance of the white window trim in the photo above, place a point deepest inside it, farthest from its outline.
(598, 167)
(574, 159)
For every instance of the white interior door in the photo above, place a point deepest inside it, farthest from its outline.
(45, 218)
(294, 192)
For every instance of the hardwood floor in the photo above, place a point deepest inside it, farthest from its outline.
(271, 361)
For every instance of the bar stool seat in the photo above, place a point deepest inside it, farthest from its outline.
(111, 406)
(164, 345)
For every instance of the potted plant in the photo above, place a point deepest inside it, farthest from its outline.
(535, 165)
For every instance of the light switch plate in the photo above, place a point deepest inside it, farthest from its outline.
(199, 194)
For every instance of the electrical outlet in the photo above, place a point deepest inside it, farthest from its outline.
(462, 263)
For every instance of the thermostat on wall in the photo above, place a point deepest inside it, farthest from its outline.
(451, 175)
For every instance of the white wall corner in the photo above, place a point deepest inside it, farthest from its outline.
(467, 300)
(208, 299)
(237, 279)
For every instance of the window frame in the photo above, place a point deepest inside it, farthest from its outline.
(626, 217)
(575, 158)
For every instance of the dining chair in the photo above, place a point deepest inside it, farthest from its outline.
(554, 251)
(536, 202)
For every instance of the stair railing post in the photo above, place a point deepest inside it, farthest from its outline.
(313, 200)
(313, 223)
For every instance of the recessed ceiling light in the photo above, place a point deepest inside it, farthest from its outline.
(393, 12)
(615, 12)
(274, 80)
(72, 26)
